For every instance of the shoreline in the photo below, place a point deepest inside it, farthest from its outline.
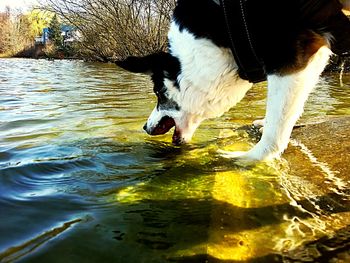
(335, 65)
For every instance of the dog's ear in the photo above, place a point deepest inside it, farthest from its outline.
(146, 65)
(136, 64)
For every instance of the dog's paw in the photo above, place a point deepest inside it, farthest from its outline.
(228, 154)
(239, 157)
(254, 155)
(259, 123)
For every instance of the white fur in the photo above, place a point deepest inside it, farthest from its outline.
(157, 115)
(285, 102)
(209, 83)
(210, 86)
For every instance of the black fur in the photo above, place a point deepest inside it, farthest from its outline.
(203, 18)
(281, 31)
(160, 66)
(276, 26)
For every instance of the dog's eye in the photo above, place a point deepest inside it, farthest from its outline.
(159, 93)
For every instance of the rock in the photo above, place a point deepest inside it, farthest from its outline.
(328, 141)
(290, 210)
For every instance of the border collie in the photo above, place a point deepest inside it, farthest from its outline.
(198, 78)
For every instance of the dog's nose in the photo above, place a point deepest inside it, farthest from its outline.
(145, 127)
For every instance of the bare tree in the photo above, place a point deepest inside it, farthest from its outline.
(116, 28)
(5, 24)
(16, 34)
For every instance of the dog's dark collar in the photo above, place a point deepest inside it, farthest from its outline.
(251, 67)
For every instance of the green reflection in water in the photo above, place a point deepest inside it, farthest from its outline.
(72, 148)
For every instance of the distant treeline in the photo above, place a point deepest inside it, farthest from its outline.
(116, 28)
(19, 30)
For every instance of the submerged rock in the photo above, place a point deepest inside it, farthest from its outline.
(302, 213)
(328, 141)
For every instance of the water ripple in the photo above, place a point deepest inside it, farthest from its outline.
(71, 143)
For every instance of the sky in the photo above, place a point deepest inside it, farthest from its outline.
(23, 4)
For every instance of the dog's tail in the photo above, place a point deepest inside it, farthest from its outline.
(346, 4)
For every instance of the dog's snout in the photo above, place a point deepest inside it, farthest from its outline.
(145, 127)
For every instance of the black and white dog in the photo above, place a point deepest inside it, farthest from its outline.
(199, 78)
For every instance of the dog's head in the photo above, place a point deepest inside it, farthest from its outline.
(169, 111)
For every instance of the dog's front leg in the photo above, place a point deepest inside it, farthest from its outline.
(287, 95)
(285, 102)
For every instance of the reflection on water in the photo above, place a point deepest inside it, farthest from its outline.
(81, 182)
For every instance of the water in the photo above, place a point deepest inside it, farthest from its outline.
(81, 182)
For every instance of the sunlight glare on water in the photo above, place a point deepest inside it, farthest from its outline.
(80, 179)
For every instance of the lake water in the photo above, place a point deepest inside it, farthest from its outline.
(81, 182)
